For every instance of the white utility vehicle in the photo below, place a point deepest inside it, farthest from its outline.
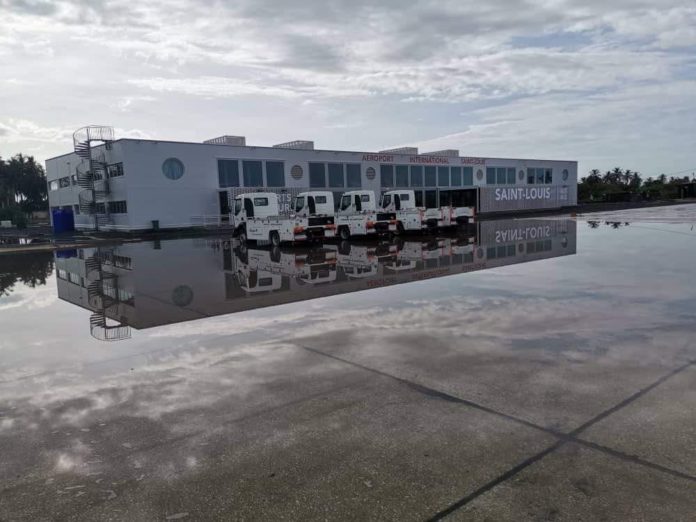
(357, 213)
(358, 216)
(256, 218)
(362, 260)
(411, 218)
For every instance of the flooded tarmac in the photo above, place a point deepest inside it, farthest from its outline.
(537, 369)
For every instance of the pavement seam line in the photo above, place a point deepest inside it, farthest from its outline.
(563, 437)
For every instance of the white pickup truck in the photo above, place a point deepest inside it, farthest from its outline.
(357, 214)
(257, 218)
(411, 218)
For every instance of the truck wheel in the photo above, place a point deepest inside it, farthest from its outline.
(344, 233)
(275, 254)
(275, 238)
(400, 228)
(242, 235)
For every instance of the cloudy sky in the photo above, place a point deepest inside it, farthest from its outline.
(605, 82)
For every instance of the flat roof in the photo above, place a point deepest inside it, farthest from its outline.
(312, 150)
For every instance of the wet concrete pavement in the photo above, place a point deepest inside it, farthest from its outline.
(562, 389)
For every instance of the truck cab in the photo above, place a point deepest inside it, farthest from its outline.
(356, 202)
(314, 203)
(396, 200)
(255, 205)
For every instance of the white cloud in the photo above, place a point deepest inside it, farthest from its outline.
(256, 59)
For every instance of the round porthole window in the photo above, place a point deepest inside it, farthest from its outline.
(520, 175)
(296, 172)
(565, 174)
(370, 173)
(172, 168)
(182, 295)
(479, 174)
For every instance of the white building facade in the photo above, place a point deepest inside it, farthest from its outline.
(132, 184)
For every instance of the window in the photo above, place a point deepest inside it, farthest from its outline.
(237, 205)
(539, 176)
(405, 197)
(531, 176)
(443, 176)
(53, 185)
(117, 207)
(100, 208)
(228, 173)
(317, 175)
(456, 173)
(252, 173)
(386, 200)
(336, 175)
(402, 175)
(299, 203)
(416, 176)
(345, 202)
(511, 176)
(172, 168)
(76, 210)
(321, 200)
(419, 198)
(386, 175)
(64, 182)
(430, 177)
(73, 179)
(260, 202)
(353, 175)
(114, 171)
(490, 176)
(275, 174)
(364, 198)
(467, 176)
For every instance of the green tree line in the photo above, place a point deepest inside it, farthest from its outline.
(22, 188)
(624, 184)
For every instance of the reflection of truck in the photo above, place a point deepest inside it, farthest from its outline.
(411, 218)
(256, 217)
(261, 269)
(357, 261)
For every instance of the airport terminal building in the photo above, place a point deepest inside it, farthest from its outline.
(136, 184)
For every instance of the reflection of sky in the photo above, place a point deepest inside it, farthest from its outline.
(625, 286)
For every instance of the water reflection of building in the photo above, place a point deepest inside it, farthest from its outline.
(142, 285)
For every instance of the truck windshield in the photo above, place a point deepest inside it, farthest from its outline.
(237, 206)
(345, 202)
(299, 203)
(386, 200)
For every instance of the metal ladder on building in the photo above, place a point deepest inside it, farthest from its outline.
(100, 301)
(92, 175)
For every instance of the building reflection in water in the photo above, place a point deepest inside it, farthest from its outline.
(142, 285)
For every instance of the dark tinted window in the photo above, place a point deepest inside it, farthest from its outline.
(467, 176)
(490, 176)
(353, 175)
(443, 176)
(386, 175)
(253, 175)
(402, 176)
(416, 176)
(430, 177)
(317, 175)
(275, 174)
(228, 173)
(336, 175)
(511, 176)
(456, 173)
